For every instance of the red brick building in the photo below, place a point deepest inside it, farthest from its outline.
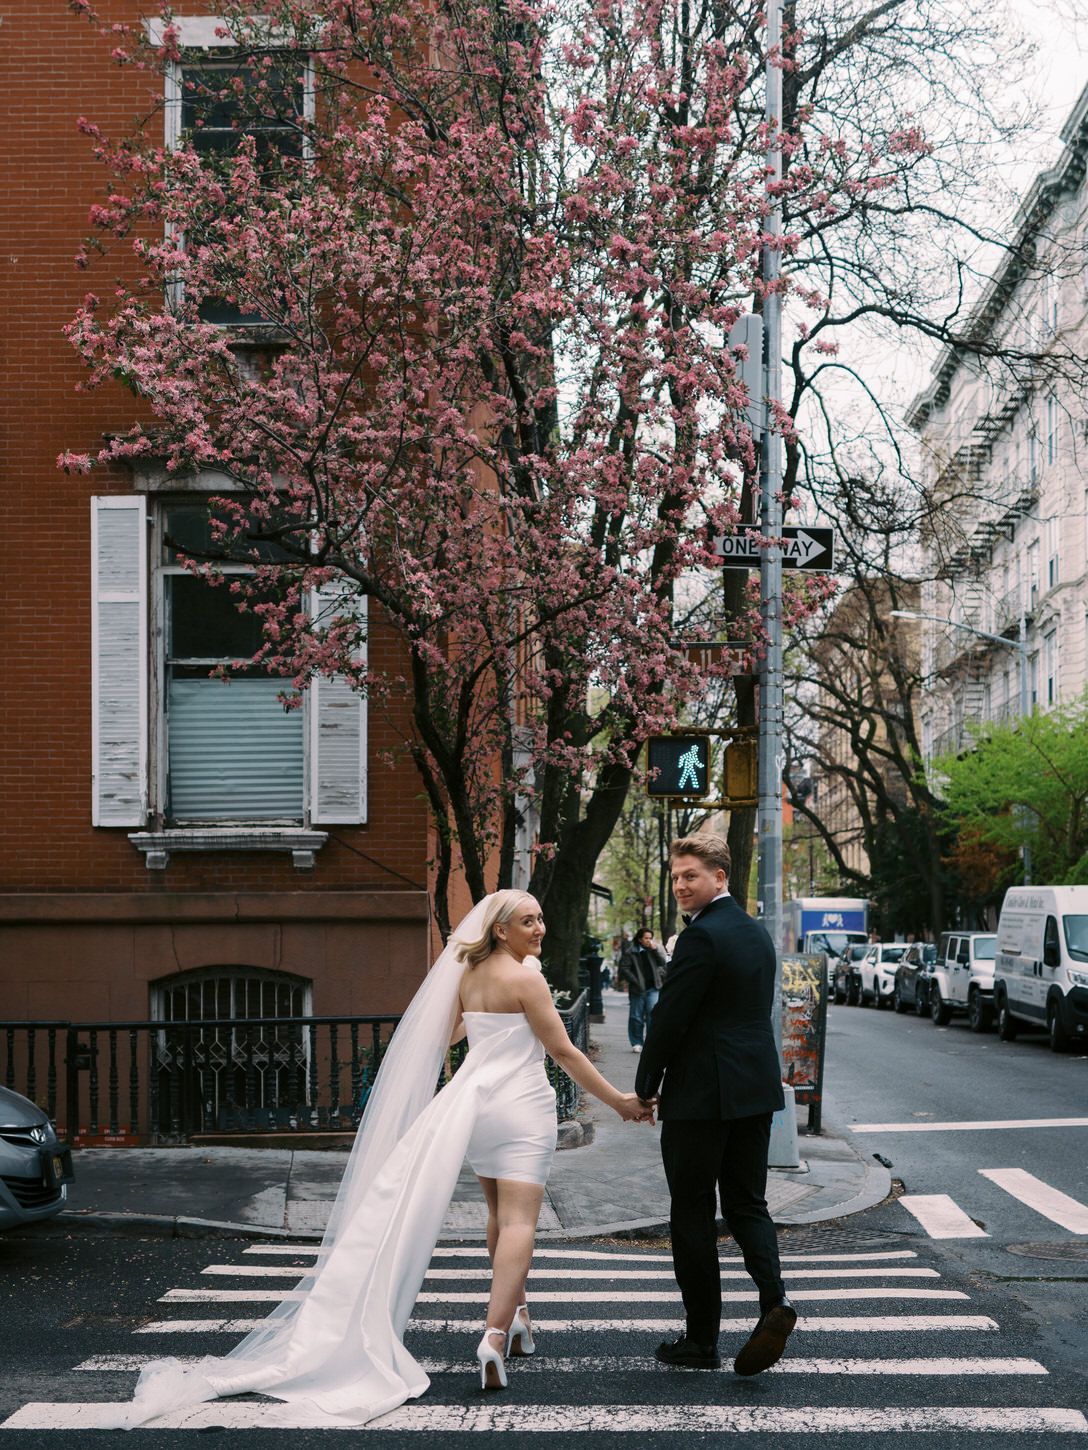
(172, 844)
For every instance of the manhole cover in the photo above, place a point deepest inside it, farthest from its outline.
(816, 1240)
(1070, 1249)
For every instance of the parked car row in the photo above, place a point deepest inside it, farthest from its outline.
(954, 975)
(866, 974)
(1031, 973)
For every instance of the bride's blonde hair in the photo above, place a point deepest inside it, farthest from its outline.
(500, 909)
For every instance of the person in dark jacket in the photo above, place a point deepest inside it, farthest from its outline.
(642, 970)
(711, 1063)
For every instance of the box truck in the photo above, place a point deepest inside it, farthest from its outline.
(826, 924)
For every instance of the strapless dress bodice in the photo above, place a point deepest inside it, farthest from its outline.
(514, 1135)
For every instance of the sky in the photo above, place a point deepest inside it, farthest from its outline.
(1061, 63)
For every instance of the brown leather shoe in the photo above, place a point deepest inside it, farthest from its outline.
(768, 1340)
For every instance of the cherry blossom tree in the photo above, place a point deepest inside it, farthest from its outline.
(478, 262)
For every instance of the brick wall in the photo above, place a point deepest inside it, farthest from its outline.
(57, 68)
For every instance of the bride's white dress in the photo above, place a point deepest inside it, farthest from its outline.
(334, 1350)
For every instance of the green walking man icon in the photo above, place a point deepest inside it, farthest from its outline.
(689, 763)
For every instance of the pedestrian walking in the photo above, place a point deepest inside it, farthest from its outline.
(335, 1349)
(711, 1041)
(642, 970)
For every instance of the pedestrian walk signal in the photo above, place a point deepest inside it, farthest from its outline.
(678, 765)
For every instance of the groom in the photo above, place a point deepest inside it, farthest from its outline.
(711, 1037)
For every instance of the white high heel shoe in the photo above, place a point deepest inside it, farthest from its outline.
(492, 1369)
(519, 1337)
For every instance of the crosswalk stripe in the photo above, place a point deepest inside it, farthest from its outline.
(941, 1216)
(295, 1271)
(623, 1364)
(1058, 1207)
(574, 1419)
(658, 1296)
(560, 1296)
(577, 1255)
(793, 1275)
(846, 1324)
(979, 1125)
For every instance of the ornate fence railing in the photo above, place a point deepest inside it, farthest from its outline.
(155, 1082)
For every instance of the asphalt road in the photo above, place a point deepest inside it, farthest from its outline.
(892, 1081)
(886, 1071)
(952, 1342)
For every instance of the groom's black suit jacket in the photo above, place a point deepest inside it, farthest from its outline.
(710, 1034)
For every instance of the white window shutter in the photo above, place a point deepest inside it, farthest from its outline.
(119, 661)
(337, 727)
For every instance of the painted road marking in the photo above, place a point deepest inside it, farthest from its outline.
(1058, 1207)
(623, 1364)
(578, 1419)
(874, 1273)
(846, 1324)
(558, 1296)
(969, 1127)
(655, 1296)
(941, 1217)
(576, 1255)
(293, 1271)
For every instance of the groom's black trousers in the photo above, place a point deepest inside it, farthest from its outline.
(704, 1159)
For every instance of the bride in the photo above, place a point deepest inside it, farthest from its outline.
(334, 1350)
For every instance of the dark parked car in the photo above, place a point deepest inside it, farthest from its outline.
(846, 975)
(34, 1168)
(912, 978)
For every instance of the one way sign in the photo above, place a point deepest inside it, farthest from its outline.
(802, 548)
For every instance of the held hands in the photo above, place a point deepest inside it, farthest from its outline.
(633, 1109)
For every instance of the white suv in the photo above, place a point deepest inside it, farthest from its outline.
(962, 978)
(877, 972)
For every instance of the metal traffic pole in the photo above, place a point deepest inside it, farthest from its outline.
(769, 874)
(783, 1150)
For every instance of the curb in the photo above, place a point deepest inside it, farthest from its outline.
(878, 1186)
(156, 1225)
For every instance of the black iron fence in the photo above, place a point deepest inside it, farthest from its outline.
(164, 1082)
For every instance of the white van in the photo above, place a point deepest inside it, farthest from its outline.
(1041, 971)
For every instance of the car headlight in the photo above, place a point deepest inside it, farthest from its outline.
(1079, 979)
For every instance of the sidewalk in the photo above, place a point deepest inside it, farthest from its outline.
(613, 1184)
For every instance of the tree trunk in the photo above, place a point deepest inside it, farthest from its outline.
(742, 823)
(562, 884)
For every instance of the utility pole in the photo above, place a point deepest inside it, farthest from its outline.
(769, 871)
(783, 1146)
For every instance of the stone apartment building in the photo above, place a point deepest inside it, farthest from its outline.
(1008, 556)
(175, 847)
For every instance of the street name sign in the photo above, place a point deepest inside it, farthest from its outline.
(706, 653)
(803, 547)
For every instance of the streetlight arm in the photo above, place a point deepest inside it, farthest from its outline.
(952, 624)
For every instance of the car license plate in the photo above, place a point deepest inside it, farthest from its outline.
(56, 1166)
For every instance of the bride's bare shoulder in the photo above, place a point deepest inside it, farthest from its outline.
(500, 983)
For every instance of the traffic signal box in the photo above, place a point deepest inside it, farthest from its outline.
(678, 767)
(741, 772)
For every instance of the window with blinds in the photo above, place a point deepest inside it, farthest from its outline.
(172, 742)
(233, 751)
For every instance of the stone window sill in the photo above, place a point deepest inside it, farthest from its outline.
(157, 846)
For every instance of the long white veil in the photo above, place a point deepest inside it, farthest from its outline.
(333, 1347)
